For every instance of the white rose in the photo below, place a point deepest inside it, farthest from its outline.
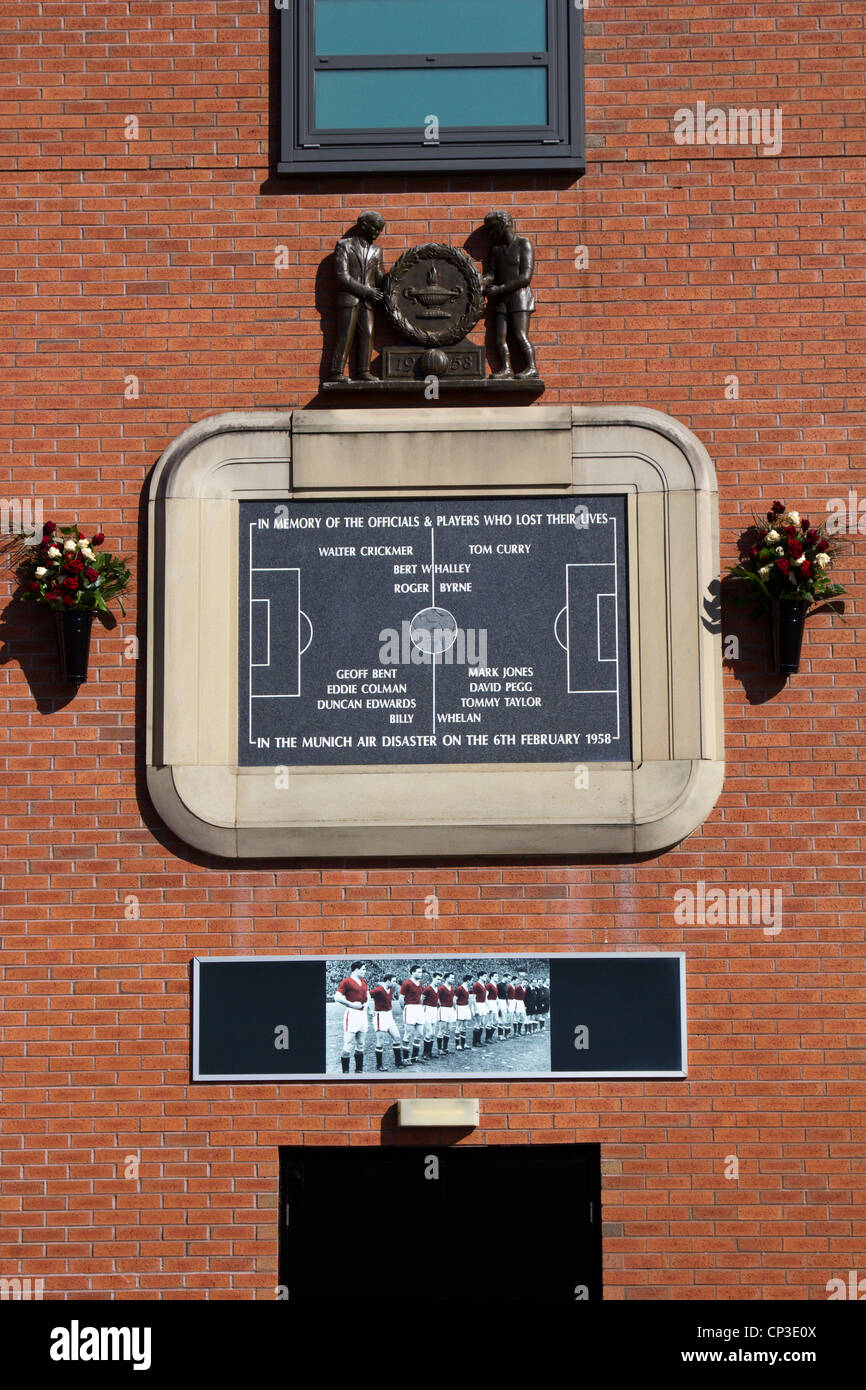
(794, 518)
(780, 550)
(800, 561)
(70, 545)
(86, 551)
(764, 571)
(53, 552)
(772, 537)
(822, 560)
(41, 571)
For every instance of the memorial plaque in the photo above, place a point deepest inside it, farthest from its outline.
(447, 674)
(590, 1014)
(472, 630)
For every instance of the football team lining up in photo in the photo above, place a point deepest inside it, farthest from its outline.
(430, 1012)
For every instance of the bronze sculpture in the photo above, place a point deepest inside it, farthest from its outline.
(360, 273)
(508, 285)
(434, 296)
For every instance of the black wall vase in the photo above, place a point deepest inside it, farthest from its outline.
(788, 618)
(73, 641)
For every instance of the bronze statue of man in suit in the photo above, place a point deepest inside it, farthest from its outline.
(512, 262)
(361, 273)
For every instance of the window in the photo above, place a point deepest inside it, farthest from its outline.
(406, 85)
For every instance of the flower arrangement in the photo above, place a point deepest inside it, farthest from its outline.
(69, 571)
(787, 558)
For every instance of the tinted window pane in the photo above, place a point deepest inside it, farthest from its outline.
(397, 98)
(430, 26)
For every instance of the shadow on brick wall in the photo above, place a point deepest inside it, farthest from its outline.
(747, 642)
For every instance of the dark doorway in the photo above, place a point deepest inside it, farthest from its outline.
(483, 1224)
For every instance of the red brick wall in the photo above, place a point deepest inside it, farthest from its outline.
(155, 258)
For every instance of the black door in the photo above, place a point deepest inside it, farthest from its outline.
(491, 1223)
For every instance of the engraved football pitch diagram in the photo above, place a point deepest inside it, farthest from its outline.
(396, 632)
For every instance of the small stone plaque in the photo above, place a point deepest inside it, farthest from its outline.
(464, 362)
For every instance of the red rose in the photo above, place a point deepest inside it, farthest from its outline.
(70, 582)
(822, 546)
(783, 565)
(791, 532)
(778, 508)
(804, 523)
(98, 538)
(68, 600)
(811, 537)
(91, 573)
(795, 550)
(754, 552)
(806, 569)
(49, 528)
(75, 565)
(34, 586)
(771, 516)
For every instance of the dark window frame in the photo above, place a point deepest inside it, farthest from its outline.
(559, 145)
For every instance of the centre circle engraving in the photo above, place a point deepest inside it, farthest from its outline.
(433, 631)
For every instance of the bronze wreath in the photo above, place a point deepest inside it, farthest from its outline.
(455, 331)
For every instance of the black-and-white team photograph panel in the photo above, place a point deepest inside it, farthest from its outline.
(460, 1015)
(288, 1018)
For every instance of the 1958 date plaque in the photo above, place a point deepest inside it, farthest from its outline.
(433, 631)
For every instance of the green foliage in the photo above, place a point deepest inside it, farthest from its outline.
(68, 571)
